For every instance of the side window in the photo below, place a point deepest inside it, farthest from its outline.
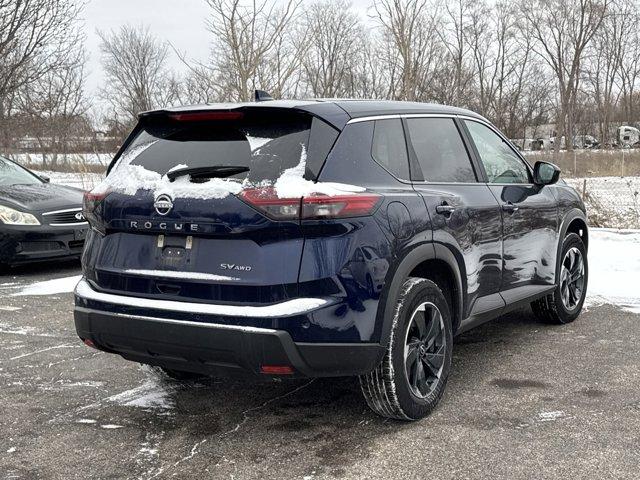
(389, 148)
(440, 151)
(500, 162)
(321, 139)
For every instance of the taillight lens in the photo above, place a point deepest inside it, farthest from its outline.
(310, 207)
(91, 203)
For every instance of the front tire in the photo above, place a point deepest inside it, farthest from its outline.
(565, 303)
(411, 379)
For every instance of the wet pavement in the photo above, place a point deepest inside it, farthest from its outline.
(525, 400)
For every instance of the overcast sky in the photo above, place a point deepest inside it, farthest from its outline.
(181, 22)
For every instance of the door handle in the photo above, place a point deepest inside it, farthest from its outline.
(510, 207)
(445, 209)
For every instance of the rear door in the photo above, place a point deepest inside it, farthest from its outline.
(191, 235)
(465, 215)
(529, 215)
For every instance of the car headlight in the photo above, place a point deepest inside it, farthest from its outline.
(9, 216)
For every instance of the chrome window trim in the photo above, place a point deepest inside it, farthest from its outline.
(448, 115)
(62, 211)
(373, 118)
(84, 290)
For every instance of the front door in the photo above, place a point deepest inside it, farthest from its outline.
(529, 213)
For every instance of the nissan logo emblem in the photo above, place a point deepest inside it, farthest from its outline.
(163, 204)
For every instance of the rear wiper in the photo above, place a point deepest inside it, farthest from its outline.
(217, 171)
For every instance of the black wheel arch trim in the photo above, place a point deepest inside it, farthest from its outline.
(569, 217)
(414, 257)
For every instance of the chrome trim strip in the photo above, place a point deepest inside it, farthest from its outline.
(63, 211)
(297, 306)
(67, 224)
(217, 326)
(373, 117)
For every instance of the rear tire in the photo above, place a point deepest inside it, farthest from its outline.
(411, 379)
(565, 303)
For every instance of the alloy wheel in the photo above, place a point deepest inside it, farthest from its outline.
(572, 278)
(424, 349)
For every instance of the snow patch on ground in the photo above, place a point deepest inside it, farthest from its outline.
(50, 287)
(551, 416)
(150, 394)
(86, 420)
(614, 268)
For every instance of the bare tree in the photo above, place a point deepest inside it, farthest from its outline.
(409, 27)
(630, 65)
(245, 38)
(456, 72)
(34, 38)
(563, 29)
(603, 68)
(335, 34)
(137, 77)
(281, 70)
(55, 105)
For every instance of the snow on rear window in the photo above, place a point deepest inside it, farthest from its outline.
(274, 150)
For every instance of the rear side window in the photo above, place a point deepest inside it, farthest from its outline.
(440, 151)
(321, 140)
(268, 142)
(389, 148)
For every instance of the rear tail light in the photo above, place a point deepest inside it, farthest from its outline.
(310, 207)
(91, 204)
(276, 369)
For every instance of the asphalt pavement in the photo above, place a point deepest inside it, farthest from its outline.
(525, 400)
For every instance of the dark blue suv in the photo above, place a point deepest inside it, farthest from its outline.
(323, 238)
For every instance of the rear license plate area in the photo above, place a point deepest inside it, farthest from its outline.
(174, 251)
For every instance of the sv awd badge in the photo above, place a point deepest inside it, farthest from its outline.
(233, 266)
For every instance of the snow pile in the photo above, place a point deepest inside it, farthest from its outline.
(50, 287)
(83, 180)
(614, 268)
(292, 183)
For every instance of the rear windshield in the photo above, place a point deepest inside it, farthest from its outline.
(266, 143)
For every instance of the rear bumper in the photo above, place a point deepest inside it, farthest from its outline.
(217, 349)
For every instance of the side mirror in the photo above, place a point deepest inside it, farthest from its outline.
(44, 178)
(545, 173)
